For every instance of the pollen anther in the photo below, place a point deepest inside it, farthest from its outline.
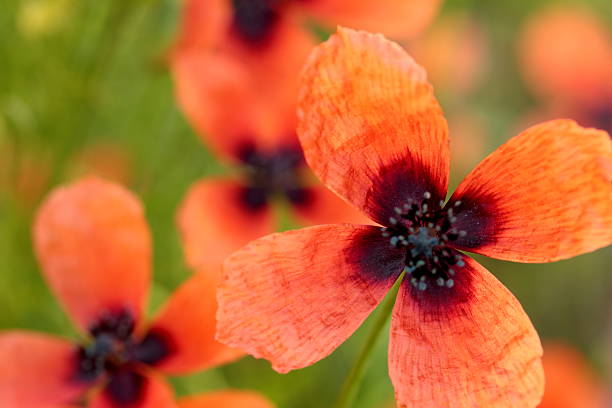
(424, 229)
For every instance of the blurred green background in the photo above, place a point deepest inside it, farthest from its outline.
(82, 73)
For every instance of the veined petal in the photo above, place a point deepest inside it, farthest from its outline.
(187, 322)
(544, 195)
(369, 124)
(474, 349)
(132, 389)
(216, 219)
(94, 248)
(37, 371)
(293, 297)
(401, 19)
(225, 399)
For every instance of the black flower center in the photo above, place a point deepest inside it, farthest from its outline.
(254, 20)
(278, 172)
(114, 352)
(425, 229)
(602, 118)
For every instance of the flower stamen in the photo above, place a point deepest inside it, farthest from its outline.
(425, 229)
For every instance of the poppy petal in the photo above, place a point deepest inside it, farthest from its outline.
(205, 87)
(370, 125)
(475, 350)
(401, 19)
(322, 206)
(94, 248)
(187, 321)
(134, 390)
(566, 55)
(37, 371)
(216, 218)
(544, 195)
(293, 297)
(570, 382)
(234, 94)
(225, 399)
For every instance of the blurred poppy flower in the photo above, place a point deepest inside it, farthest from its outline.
(220, 215)
(94, 248)
(224, 399)
(373, 132)
(27, 174)
(566, 60)
(570, 383)
(453, 50)
(235, 67)
(106, 160)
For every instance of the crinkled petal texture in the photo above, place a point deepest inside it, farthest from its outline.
(401, 19)
(566, 54)
(325, 207)
(94, 247)
(293, 297)
(37, 371)
(215, 220)
(570, 382)
(544, 195)
(187, 321)
(135, 390)
(225, 399)
(370, 125)
(474, 348)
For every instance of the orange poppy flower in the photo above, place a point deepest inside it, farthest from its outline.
(94, 248)
(566, 59)
(373, 132)
(220, 215)
(235, 67)
(570, 383)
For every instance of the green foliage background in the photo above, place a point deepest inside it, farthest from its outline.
(98, 73)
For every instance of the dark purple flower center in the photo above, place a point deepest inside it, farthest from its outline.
(254, 20)
(602, 118)
(114, 352)
(424, 229)
(277, 172)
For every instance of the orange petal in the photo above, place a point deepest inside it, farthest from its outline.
(93, 245)
(544, 195)
(203, 23)
(293, 297)
(129, 389)
(215, 221)
(475, 349)
(37, 371)
(370, 125)
(225, 399)
(324, 207)
(188, 321)
(402, 19)
(454, 52)
(570, 383)
(206, 86)
(232, 92)
(566, 54)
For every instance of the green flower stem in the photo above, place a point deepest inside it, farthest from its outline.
(351, 384)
